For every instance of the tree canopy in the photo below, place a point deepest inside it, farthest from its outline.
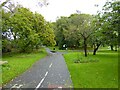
(83, 30)
(25, 30)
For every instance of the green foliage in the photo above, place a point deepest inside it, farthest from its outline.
(74, 30)
(25, 31)
(80, 30)
(5, 25)
(60, 29)
(109, 20)
(48, 35)
(107, 26)
(68, 30)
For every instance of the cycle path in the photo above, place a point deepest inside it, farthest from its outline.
(49, 72)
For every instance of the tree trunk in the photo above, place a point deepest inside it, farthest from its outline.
(111, 47)
(95, 49)
(116, 48)
(85, 47)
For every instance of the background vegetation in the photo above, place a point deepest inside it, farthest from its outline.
(24, 32)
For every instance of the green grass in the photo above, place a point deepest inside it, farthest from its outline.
(101, 74)
(18, 63)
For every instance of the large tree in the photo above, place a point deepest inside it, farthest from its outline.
(110, 20)
(59, 28)
(25, 30)
(83, 24)
(74, 29)
(107, 26)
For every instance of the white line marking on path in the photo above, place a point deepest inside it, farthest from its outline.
(17, 86)
(41, 81)
(43, 78)
(46, 73)
(50, 65)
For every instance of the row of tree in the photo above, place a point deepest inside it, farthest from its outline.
(23, 30)
(90, 30)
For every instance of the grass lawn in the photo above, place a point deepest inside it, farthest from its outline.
(18, 63)
(101, 74)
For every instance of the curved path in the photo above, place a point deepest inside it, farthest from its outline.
(49, 72)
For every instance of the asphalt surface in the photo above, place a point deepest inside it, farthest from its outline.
(49, 72)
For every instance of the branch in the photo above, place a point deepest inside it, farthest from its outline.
(4, 3)
(82, 35)
(89, 35)
(91, 32)
(9, 9)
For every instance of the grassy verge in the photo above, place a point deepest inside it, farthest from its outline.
(101, 74)
(18, 63)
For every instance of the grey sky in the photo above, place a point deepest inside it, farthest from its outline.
(57, 8)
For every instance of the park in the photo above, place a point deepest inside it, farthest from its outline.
(75, 51)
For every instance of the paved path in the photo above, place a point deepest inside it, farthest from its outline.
(49, 72)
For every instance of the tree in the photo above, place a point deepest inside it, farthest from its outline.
(26, 30)
(48, 35)
(84, 26)
(6, 43)
(110, 20)
(22, 28)
(106, 28)
(59, 29)
(71, 34)
(73, 29)
(97, 38)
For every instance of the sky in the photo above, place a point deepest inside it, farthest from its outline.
(57, 8)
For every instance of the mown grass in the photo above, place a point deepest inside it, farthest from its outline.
(101, 74)
(18, 63)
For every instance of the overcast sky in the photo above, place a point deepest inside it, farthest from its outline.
(58, 8)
